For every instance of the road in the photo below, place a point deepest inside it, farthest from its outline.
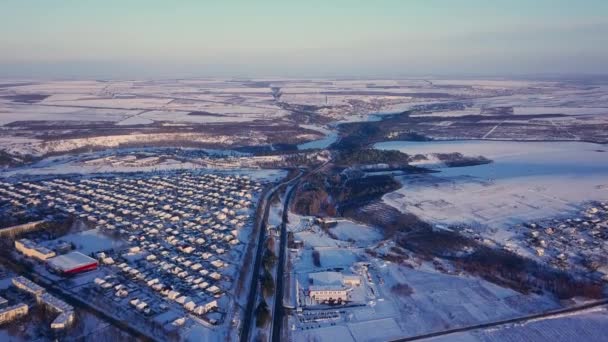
(524, 319)
(253, 290)
(278, 312)
(255, 272)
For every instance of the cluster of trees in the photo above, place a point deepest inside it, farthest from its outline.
(369, 156)
(458, 160)
(270, 258)
(267, 283)
(526, 275)
(312, 199)
(316, 258)
(9, 160)
(382, 215)
(357, 134)
(262, 314)
(499, 266)
(362, 190)
(268, 261)
(402, 289)
(443, 106)
(323, 194)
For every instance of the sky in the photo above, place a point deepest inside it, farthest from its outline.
(292, 38)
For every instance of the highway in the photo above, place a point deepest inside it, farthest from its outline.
(278, 312)
(248, 316)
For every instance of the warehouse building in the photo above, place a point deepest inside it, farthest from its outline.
(72, 263)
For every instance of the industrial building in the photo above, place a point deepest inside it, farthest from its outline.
(32, 250)
(72, 263)
(13, 312)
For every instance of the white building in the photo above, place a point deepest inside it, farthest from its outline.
(331, 286)
(328, 293)
(13, 312)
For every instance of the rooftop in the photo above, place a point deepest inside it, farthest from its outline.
(70, 261)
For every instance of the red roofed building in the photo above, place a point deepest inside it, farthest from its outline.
(72, 263)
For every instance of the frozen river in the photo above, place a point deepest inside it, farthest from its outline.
(329, 138)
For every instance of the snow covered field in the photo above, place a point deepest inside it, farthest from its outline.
(90, 241)
(435, 300)
(38, 148)
(151, 101)
(131, 110)
(527, 180)
(588, 326)
(359, 234)
(230, 101)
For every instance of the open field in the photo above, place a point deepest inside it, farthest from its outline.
(587, 326)
(47, 117)
(528, 180)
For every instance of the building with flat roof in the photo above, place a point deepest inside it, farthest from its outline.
(65, 310)
(13, 312)
(337, 293)
(33, 250)
(72, 263)
(27, 285)
(331, 286)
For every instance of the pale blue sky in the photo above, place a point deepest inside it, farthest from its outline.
(358, 38)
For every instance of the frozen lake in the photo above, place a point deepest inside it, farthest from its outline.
(92, 241)
(526, 181)
(515, 159)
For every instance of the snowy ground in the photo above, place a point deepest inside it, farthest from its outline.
(360, 235)
(438, 300)
(116, 101)
(117, 161)
(527, 180)
(90, 241)
(588, 326)
(142, 105)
